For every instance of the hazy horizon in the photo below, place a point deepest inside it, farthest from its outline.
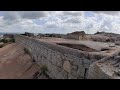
(45, 33)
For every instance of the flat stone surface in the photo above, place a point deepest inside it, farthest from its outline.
(67, 66)
(91, 44)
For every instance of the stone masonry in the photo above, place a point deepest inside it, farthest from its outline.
(106, 68)
(62, 62)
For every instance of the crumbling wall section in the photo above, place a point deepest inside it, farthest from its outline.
(106, 68)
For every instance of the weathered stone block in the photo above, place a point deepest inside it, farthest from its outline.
(74, 73)
(59, 63)
(74, 67)
(78, 61)
(70, 76)
(81, 71)
(59, 69)
(67, 66)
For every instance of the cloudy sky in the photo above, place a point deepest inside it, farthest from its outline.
(59, 21)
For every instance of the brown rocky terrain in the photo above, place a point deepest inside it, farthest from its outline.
(16, 64)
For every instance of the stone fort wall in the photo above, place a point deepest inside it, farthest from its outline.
(62, 62)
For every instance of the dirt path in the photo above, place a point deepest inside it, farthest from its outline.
(15, 64)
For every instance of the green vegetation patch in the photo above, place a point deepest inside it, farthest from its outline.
(44, 68)
(4, 40)
(7, 40)
(26, 51)
(1, 46)
(12, 40)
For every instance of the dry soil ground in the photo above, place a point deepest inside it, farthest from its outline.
(15, 64)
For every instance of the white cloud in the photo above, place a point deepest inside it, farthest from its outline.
(107, 12)
(59, 21)
(23, 26)
(2, 22)
(72, 13)
(13, 15)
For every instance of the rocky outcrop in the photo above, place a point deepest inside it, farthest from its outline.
(107, 68)
(100, 38)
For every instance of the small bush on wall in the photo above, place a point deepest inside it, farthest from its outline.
(26, 51)
(1, 46)
(44, 68)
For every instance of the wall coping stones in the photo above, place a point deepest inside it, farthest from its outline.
(62, 49)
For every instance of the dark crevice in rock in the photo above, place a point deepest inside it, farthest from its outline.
(36, 75)
(85, 73)
(41, 75)
(80, 77)
(47, 75)
(78, 46)
(30, 67)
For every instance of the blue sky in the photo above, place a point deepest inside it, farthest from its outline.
(59, 21)
(89, 14)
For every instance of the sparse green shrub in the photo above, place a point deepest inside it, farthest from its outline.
(26, 51)
(1, 46)
(7, 40)
(44, 69)
(12, 40)
(4, 40)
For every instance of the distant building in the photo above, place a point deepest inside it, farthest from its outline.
(78, 35)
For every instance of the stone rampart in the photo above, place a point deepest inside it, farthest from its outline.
(62, 62)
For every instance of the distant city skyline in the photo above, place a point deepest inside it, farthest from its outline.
(59, 21)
